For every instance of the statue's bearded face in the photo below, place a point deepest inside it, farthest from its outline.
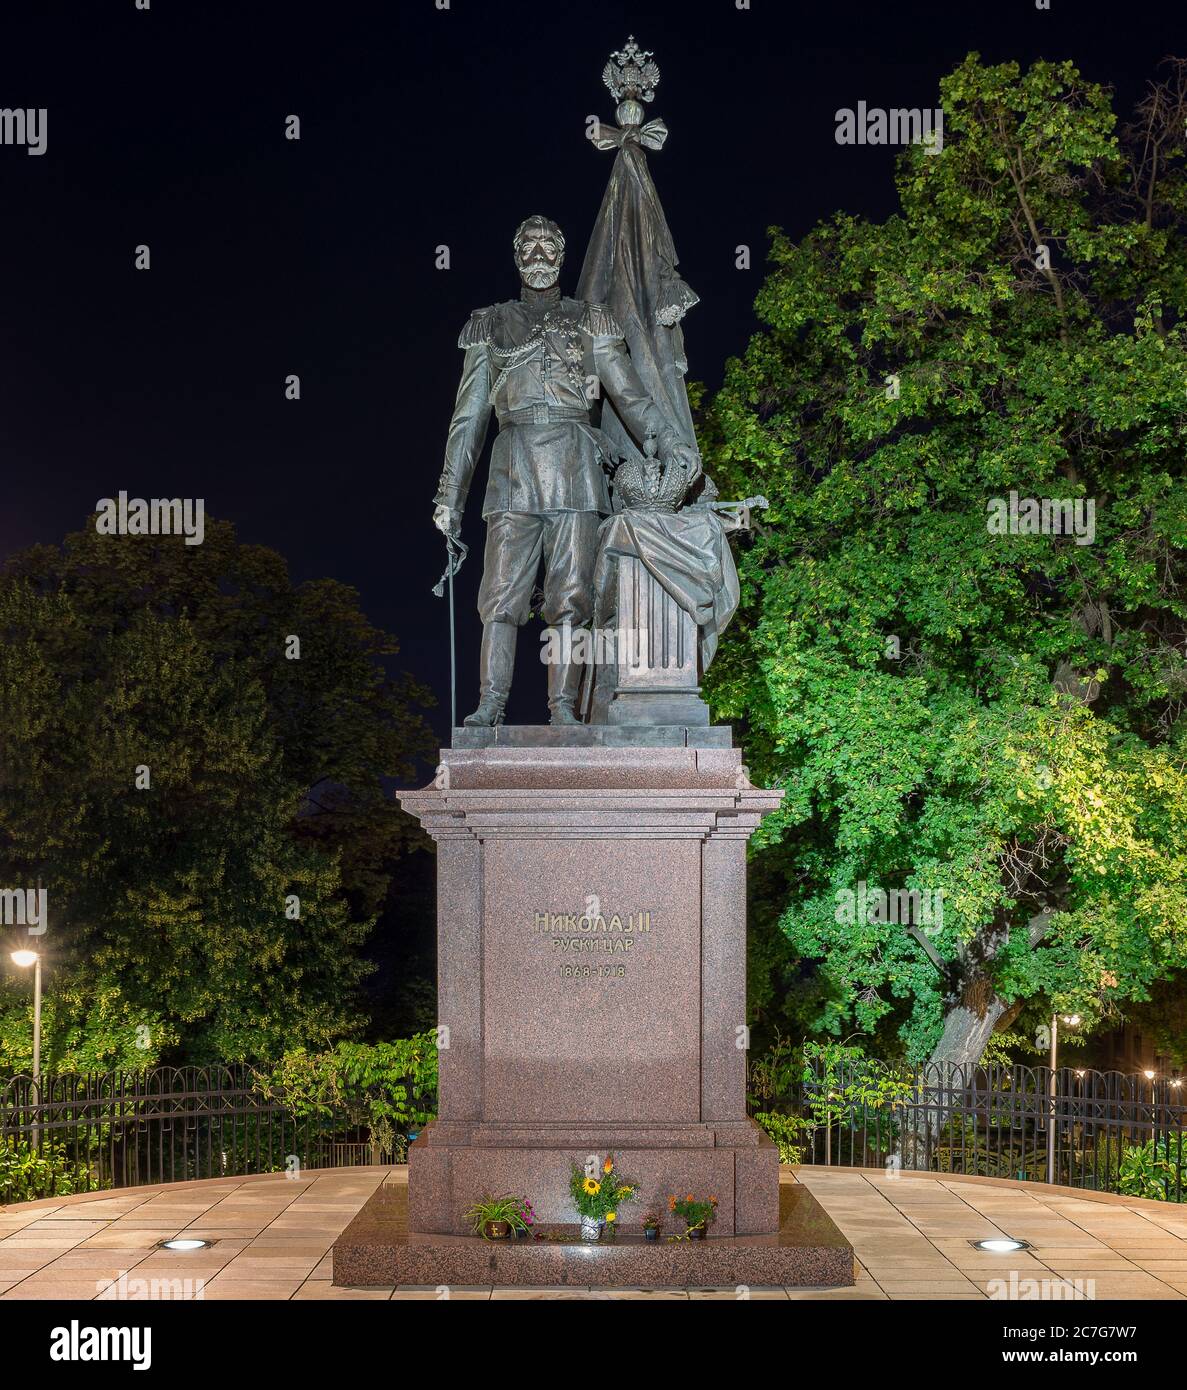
(539, 254)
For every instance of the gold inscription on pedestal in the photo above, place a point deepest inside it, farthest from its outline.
(593, 972)
(592, 933)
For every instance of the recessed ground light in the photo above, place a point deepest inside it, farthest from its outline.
(1000, 1245)
(183, 1243)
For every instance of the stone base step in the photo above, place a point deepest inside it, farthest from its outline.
(377, 1250)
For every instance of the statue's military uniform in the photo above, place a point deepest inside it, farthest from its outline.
(539, 362)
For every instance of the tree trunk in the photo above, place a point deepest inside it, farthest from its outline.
(975, 1012)
(966, 1032)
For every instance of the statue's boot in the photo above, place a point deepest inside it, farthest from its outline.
(564, 683)
(496, 663)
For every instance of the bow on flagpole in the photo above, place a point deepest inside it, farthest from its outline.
(650, 135)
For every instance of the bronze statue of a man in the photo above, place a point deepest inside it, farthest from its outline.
(541, 362)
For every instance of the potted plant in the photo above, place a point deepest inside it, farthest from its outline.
(495, 1218)
(698, 1216)
(651, 1225)
(598, 1191)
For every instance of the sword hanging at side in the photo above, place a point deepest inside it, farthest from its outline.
(457, 550)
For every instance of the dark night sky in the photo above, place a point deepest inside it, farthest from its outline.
(419, 127)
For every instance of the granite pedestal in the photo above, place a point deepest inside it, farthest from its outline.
(379, 1250)
(592, 972)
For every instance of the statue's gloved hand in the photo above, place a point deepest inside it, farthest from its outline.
(445, 519)
(688, 458)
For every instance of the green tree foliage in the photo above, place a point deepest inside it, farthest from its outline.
(391, 1087)
(1162, 1019)
(169, 935)
(999, 716)
(1154, 1170)
(46, 1170)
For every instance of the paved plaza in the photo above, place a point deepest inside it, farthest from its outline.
(271, 1239)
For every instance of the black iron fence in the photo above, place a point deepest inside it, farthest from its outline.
(99, 1130)
(1090, 1129)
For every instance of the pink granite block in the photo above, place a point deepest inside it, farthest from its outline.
(592, 949)
(378, 1250)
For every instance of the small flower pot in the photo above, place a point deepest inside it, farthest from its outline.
(650, 1232)
(696, 1233)
(591, 1228)
(498, 1230)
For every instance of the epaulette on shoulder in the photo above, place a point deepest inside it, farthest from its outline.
(599, 322)
(479, 329)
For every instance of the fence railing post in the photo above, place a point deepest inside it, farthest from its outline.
(999, 1121)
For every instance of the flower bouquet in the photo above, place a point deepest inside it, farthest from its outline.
(597, 1195)
(698, 1216)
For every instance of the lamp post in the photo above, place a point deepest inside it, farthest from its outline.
(25, 959)
(1071, 1020)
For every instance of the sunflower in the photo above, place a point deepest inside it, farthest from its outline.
(611, 1216)
(592, 1187)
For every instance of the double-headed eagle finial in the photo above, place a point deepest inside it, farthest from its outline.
(631, 74)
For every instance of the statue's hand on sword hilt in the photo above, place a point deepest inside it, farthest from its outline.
(447, 520)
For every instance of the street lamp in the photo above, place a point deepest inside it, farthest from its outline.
(25, 959)
(1072, 1021)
